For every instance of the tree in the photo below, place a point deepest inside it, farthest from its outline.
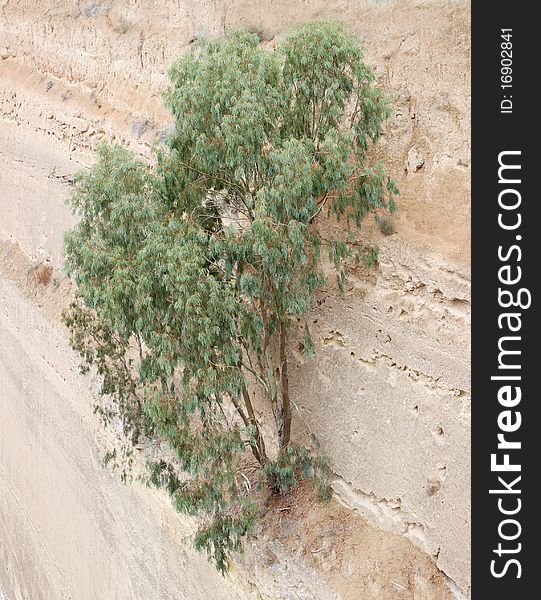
(192, 272)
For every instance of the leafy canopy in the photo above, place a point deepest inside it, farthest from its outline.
(191, 273)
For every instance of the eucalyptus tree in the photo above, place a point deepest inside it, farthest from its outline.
(193, 272)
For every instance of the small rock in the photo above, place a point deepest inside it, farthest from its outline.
(265, 36)
(415, 160)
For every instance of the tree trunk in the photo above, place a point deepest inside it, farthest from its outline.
(259, 450)
(257, 444)
(285, 409)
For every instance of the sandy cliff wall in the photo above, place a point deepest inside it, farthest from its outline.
(68, 529)
(388, 394)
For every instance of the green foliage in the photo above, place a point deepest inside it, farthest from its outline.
(192, 273)
(224, 534)
(297, 463)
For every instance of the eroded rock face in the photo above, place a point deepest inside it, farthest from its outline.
(389, 398)
(68, 528)
(388, 393)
